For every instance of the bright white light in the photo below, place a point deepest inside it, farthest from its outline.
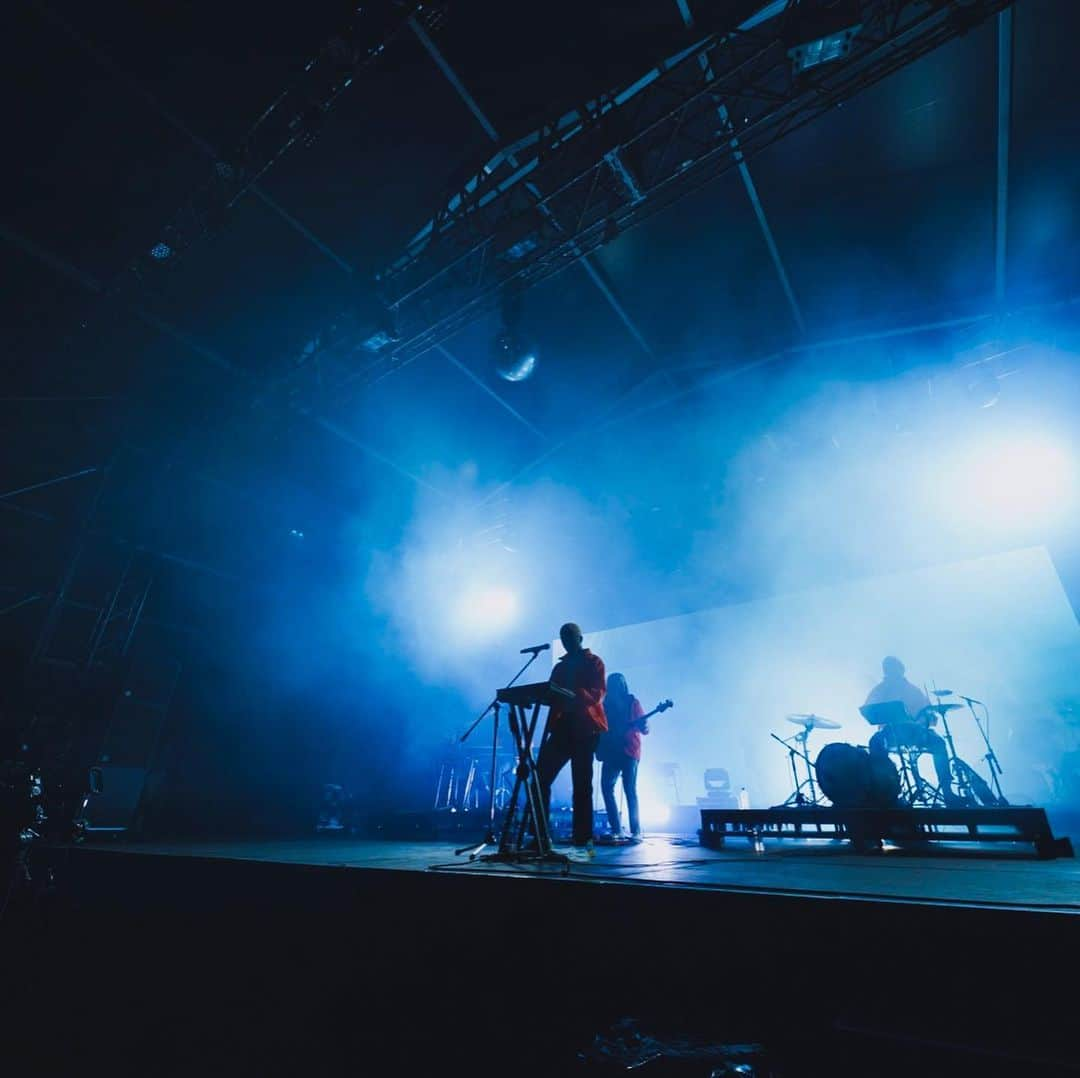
(654, 807)
(484, 613)
(1021, 481)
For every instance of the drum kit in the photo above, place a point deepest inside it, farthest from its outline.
(851, 776)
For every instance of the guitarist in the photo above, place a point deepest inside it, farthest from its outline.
(619, 751)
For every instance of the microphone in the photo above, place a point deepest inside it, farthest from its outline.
(968, 700)
(535, 650)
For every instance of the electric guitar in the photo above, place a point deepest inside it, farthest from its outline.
(609, 740)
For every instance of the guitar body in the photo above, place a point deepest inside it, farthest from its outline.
(611, 746)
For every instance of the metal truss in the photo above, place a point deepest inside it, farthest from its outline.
(549, 199)
(294, 117)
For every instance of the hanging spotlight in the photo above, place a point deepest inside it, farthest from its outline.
(513, 358)
(161, 251)
(385, 331)
(513, 354)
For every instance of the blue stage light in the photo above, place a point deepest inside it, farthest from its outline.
(161, 251)
(1019, 482)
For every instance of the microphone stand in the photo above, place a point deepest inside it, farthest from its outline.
(489, 836)
(990, 758)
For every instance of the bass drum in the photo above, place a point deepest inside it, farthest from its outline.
(851, 778)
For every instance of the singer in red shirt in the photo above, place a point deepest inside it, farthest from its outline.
(574, 729)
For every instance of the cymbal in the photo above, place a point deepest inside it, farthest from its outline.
(941, 708)
(941, 692)
(812, 722)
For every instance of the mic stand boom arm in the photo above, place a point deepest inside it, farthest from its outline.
(495, 702)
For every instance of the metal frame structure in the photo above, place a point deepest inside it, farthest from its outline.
(457, 265)
(1021, 824)
(293, 117)
(621, 158)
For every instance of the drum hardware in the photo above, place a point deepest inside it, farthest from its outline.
(914, 788)
(989, 756)
(813, 722)
(796, 749)
(970, 786)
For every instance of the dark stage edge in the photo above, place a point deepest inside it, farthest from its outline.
(295, 957)
(942, 874)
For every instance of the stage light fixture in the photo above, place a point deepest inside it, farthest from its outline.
(513, 357)
(820, 31)
(161, 251)
(513, 354)
(526, 245)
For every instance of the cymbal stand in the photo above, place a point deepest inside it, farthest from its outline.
(489, 835)
(989, 756)
(798, 797)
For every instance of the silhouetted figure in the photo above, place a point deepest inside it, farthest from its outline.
(619, 753)
(913, 734)
(573, 729)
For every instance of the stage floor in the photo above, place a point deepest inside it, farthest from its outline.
(989, 878)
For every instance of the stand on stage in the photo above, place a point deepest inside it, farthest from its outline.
(525, 836)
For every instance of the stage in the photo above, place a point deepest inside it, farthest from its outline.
(983, 876)
(264, 956)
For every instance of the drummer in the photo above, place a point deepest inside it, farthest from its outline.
(914, 734)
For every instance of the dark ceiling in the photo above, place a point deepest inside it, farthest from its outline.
(883, 213)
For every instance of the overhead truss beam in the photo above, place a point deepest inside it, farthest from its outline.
(494, 232)
(489, 128)
(751, 189)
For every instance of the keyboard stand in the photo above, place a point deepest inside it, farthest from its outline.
(513, 848)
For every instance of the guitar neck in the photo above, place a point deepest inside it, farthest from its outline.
(649, 715)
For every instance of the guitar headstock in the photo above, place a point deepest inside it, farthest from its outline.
(664, 705)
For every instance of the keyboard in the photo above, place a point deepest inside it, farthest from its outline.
(543, 693)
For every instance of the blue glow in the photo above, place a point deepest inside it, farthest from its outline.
(999, 629)
(523, 369)
(485, 613)
(1025, 482)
